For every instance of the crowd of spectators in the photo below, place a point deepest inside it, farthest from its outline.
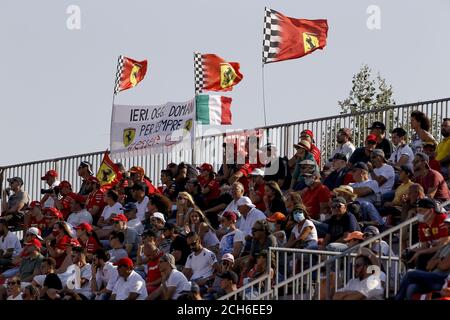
(200, 234)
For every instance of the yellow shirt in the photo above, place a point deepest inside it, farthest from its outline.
(443, 149)
(401, 190)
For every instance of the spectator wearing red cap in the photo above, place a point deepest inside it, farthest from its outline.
(210, 186)
(378, 129)
(242, 171)
(131, 237)
(94, 201)
(51, 180)
(56, 243)
(137, 175)
(362, 154)
(31, 264)
(88, 238)
(35, 217)
(64, 204)
(232, 239)
(277, 224)
(129, 285)
(309, 136)
(52, 215)
(85, 171)
(79, 213)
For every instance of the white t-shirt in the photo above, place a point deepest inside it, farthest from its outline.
(388, 172)
(370, 287)
(50, 203)
(134, 283)
(347, 149)
(201, 264)
(400, 151)
(86, 273)
(76, 218)
(245, 224)
(137, 225)
(232, 206)
(11, 241)
(18, 297)
(227, 242)
(178, 280)
(312, 235)
(109, 210)
(107, 276)
(142, 208)
(372, 184)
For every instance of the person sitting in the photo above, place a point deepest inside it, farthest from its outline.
(233, 240)
(362, 154)
(443, 148)
(277, 226)
(104, 275)
(276, 168)
(256, 188)
(210, 186)
(433, 232)
(379, 130)
(309, 136)
(315, 196)
(199, 224)
(51, 180)
(365, 285)
(303, 153)
(363, 187)
(14, 200)
(403, 154)
(432, 181)
(345, 145)
(219, 204)
(339, 226)
(382, 173)
(304, 234)
(79, 214)
(129, 285)
(273, 199)
(429, 148)
(340, 174)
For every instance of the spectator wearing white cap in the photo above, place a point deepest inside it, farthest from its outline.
(227, 264)
(382, 173)
(249, 215)
(256, 188)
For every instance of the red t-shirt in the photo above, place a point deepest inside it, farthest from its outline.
(435, 165)
(214, 191)
(316, 153)
(66, 202)
(313, 197)
(151, 189)
(259, 189)
(246, 169)
(432, 180)
(90, 245)
(437, 230)
(153, 272)
(96, 199)
(40, 224)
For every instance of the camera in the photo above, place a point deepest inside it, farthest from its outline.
(54, 190)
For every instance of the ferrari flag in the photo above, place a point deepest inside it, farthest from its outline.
(129, 73)
(289, 38)
(108, 174)
(212, 73)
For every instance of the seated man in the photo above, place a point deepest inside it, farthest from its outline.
(315, 196)
(433, 232)
(129, 285)
(382, 173)
(362, 154)
(365, 285)
(363, 187)
(341, 173)
(345, 145)
(443, 148)
(14, 200)
(339, 225)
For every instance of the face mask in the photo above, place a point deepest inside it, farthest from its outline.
(299, 216)
(309, 181)
(420, 217)
(272, 227)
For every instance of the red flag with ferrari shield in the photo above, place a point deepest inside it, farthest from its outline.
(129, 73)
(108, 174)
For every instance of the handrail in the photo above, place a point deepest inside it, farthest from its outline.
(261, 279)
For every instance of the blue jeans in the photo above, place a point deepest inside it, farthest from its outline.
(418, 281)
(337, 247)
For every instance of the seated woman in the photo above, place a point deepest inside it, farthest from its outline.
(304, 233)
(199, 224)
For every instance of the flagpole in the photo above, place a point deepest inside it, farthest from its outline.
(113, 99)
(195, 119)
(264, 96)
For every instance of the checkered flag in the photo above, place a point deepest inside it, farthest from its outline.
(198, 71)
(120, 63)
(271, 34)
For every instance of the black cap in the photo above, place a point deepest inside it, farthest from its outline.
(407, 169)
(361, 165)
(230, 275)
(340, 156)
(378, 125)
(169, 226)
(427, 203)
(86, 164)
(339, 200)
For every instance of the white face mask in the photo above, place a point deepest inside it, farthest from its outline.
(271, 227)
(420, 217)
(309, 181)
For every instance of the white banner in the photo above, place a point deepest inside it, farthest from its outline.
(152, 129)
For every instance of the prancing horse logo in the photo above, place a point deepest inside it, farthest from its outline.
(128, 136)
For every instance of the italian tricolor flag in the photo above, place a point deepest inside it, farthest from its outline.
(212, 109)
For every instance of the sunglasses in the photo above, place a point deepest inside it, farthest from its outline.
(336, 205)
(371, 142)
(255, 230)
(13, 283)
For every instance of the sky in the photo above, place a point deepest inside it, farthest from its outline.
(56, 88)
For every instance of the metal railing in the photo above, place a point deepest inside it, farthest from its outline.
(316, 274)
(209, 147)
(254, 290)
